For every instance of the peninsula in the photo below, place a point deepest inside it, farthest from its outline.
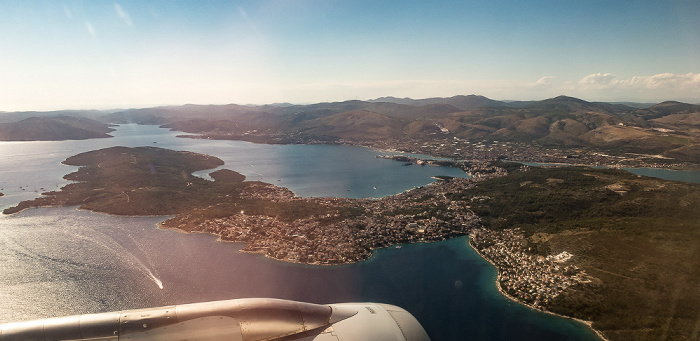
(601, 245)
(271, 220)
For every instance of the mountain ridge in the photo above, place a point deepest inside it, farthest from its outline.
(668, 128)
(53, 129)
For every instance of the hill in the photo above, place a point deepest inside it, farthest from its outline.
(638, 237)
(669, 129)
(462, 102)
(667, 108)
(353, 125)
(667, 132)
(6, 117)
(53, 129)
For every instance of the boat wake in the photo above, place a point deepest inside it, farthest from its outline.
(125, 255)
(159, 283)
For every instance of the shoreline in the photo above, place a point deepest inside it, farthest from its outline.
(497, 283)
(295, 262)
(688, 166)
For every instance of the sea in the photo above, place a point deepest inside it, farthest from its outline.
(64, 261)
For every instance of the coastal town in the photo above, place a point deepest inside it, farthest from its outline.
(329, 231)
(464, 149)
(424, 214)
(480, 150)
(533, 279)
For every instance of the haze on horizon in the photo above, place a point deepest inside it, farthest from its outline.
(123, 54)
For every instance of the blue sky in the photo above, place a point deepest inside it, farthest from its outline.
(99, 54)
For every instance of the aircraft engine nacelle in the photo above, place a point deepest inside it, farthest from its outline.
(249, 319)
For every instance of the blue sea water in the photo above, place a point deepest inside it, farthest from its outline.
(61, 261)
(690, 175)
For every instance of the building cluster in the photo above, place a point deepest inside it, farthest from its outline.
(464, 149)
(422, 214)
(300, 241)
(533, 279)
(476, 169)
(449, 146)
(265, 191)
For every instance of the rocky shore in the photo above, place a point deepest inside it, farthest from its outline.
(529, 280)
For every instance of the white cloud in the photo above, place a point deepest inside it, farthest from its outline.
(546, 80)
(90, 29)
(665, 80)
(598, 79)
(658, 81)
(123, 15)
(662, 86)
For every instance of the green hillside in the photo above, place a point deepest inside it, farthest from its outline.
(638, 236)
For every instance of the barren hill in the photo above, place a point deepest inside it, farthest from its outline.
(53, 129)
(671, 129)
(462, 102)
(668, 128)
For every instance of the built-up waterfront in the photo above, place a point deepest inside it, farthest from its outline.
(464, 149)
(353, 227)
(533, 279)
(423, 214)
(102, 268)
(446, 146)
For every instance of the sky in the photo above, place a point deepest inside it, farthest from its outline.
(131, 54)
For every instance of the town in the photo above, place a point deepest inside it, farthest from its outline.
(533, 279)
(481, 150)
(423, 214)
(464, 149)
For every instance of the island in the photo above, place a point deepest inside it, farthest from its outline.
(600, 245)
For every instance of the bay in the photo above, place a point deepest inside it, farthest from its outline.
(687, 175)
(61, 261)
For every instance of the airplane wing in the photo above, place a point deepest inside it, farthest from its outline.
(249, 319)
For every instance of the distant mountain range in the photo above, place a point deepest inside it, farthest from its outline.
(462, 102)
(55, 128)
(668, 128)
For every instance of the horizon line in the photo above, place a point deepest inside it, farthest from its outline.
(150, 106)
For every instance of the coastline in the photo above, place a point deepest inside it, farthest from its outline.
(589, 324)
(506, 295)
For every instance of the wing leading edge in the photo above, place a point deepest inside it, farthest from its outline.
(249, 319)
